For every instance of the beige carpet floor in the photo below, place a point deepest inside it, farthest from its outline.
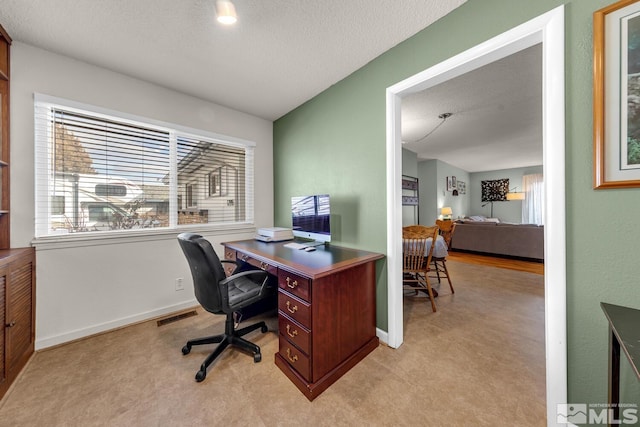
(478, 361)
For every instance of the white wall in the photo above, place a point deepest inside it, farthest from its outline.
(85, 288)
(433, 175)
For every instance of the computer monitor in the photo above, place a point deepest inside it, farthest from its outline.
(310, 217)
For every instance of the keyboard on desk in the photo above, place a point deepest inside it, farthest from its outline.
(294, 245)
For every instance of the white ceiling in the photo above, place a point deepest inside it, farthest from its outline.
(282, 53)
(496, 120)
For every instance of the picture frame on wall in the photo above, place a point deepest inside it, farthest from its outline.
(616, 95)
(449, 183)
(462, 187)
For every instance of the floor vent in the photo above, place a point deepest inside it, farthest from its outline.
(177, 317)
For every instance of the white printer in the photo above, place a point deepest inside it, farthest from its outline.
(274, 234)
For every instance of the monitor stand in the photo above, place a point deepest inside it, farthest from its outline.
(308, 242)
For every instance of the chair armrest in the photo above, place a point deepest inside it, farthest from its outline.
(230, 261)
(224, 282)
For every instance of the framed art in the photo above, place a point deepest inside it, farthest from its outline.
(449, 183)
(616, 95)
(462, 187)
(495, 190)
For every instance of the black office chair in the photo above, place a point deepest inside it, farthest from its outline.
(219, 294)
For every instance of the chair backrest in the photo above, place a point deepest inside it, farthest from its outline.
(206, 270)
(446, 230)
(417, 249)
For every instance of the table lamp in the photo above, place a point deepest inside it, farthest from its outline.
(446, 213)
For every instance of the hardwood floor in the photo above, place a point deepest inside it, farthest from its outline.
(499, 262)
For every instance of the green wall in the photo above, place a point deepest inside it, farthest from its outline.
(335, 143)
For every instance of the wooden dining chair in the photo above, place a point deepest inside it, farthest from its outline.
(446, 230)
(416, 259)
(440, 263)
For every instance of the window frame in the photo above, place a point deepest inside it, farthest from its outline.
(176, 131)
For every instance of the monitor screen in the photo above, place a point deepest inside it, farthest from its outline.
(310, 217)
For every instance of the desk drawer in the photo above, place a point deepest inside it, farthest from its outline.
(260, 264)
(294, 284)
(294, 308)
(295, 333)
(230, 255)
(295, 358)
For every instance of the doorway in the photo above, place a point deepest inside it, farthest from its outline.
(547, 29)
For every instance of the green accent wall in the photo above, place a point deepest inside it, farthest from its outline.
(335, 143)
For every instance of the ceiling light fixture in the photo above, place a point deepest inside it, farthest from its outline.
(226, 12)
(443, 117)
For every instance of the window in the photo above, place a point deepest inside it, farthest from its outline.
(213, 180)
(103, 171)
(57, 205)
(191, 196)
(533, 204)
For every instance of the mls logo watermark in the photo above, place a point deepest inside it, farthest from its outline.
(598, 413)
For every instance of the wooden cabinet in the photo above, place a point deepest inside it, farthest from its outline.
(17, 266)
(17, 312)
(5, 43)
(326, 308)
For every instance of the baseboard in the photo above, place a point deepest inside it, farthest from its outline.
(45, 342)
(382, 336)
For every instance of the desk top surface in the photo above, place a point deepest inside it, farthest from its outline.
(625, 323)
(326, 259)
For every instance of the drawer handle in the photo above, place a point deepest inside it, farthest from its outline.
(293, 359)
(10, 325)
(291, 310)
(291, 334)
(245, 257)
(291, 284)
(264, 265)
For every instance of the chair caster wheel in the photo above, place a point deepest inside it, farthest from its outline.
(257, 357)
(264, 329)
(186, 349)
(201, 375)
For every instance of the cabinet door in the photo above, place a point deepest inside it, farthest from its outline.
(19, 316)
(3, 332)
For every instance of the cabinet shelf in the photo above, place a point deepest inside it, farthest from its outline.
(410, 197)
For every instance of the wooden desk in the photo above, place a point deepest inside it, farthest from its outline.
(326, 308)
(624, 333)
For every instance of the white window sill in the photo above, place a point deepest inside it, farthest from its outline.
(110, 237)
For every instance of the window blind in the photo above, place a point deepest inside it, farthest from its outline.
(100, 173)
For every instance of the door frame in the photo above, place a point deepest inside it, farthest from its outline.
(547, 29)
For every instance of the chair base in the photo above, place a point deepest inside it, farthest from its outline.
(230, 337)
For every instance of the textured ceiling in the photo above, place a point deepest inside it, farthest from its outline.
(496, 120)
(280, 54)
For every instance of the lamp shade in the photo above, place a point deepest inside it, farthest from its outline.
(446, 211)
(226, 12)
(516, 195)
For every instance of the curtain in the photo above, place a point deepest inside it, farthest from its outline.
(533, 204)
